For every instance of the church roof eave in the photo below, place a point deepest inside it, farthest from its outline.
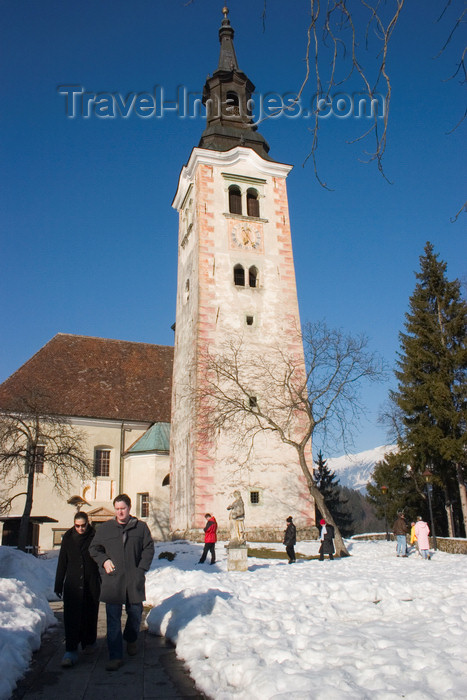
(232, 157)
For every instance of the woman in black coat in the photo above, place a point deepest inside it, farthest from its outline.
(326, 537)
(290, 540)
(78, 579)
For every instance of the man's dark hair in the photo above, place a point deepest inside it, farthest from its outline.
(123, 498)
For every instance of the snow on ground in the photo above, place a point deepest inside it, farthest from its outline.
(26, 583)
(367, 627)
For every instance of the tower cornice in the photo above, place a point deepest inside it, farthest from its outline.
(236, 156)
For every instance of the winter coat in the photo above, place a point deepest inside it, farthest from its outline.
(400, 527)
(327, 544)
(290, 535)
(77, 577)
(131, 549)
(422, 531)
(210, 531)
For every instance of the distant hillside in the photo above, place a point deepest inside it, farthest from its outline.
(354, 471)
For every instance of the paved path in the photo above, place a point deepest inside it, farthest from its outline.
(155, 672)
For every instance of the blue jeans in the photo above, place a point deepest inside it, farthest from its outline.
(401, 545)
(115, 638)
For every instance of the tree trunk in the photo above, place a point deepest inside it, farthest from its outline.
(24, 525)
(462, 494)
(341, 549)
(450, 517)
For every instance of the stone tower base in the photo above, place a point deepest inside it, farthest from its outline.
(252, 535)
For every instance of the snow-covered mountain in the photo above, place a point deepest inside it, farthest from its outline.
(355, 471)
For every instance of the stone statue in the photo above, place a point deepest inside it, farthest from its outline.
(237, 518)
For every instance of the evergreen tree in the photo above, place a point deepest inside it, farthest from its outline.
(328, 485)
(432, 392)
(404, 489)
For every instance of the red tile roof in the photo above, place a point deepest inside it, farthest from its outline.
(77, 375)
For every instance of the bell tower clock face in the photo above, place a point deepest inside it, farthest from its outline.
(245, 235)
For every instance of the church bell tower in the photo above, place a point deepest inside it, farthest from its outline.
(236, 277)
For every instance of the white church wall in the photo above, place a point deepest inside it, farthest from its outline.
(96, 491)
(147, 475)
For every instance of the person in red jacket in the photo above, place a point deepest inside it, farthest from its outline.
(210, 539)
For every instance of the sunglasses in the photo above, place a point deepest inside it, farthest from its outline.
(80, 527)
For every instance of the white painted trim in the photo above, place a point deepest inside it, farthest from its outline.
(107, 423)
(238, 155)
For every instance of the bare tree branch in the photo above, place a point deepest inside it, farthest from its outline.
(288, 396)
(32, 441)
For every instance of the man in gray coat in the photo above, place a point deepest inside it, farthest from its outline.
(123, 549)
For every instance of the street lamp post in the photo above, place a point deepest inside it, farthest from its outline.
(429, 489)
(384, 491)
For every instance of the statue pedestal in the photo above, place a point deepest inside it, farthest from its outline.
(237, 556)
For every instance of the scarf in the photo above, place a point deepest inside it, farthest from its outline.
(323, 532)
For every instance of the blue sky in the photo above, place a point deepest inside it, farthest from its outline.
(89, 238)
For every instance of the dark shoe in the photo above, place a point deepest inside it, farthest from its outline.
(70, 658)
(132, 648)
(114, 664)
(213, 562)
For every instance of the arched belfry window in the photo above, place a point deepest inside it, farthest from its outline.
(239, 276)
(252, 202)
(232, 107)
(235, 199)
(253, 276)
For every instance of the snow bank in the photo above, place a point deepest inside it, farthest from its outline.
(370, 626)
(26, 584)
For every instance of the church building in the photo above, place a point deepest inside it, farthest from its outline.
(236, 279)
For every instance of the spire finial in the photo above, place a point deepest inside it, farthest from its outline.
(225, 11)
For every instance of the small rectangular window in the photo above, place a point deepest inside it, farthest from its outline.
(252, 205)
(235, 200)
(143, 505)
(57, 537)
(239, 276)
(253, 402)
(250, 320)
(39, 454)
(102, 463)
(254, 497)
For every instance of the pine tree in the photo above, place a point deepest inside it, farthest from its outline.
(404, 489)
(432, 393)
(328, 485)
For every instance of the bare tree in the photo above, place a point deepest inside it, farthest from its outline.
(277, 392)
(349, 44)
(345, 40)
(33, 441)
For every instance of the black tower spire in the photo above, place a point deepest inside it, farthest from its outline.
(226, 96)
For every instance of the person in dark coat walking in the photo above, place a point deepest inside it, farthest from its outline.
(210, 539)
(77, 579)
(290, 539)
(123, 549)
(327, 540)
